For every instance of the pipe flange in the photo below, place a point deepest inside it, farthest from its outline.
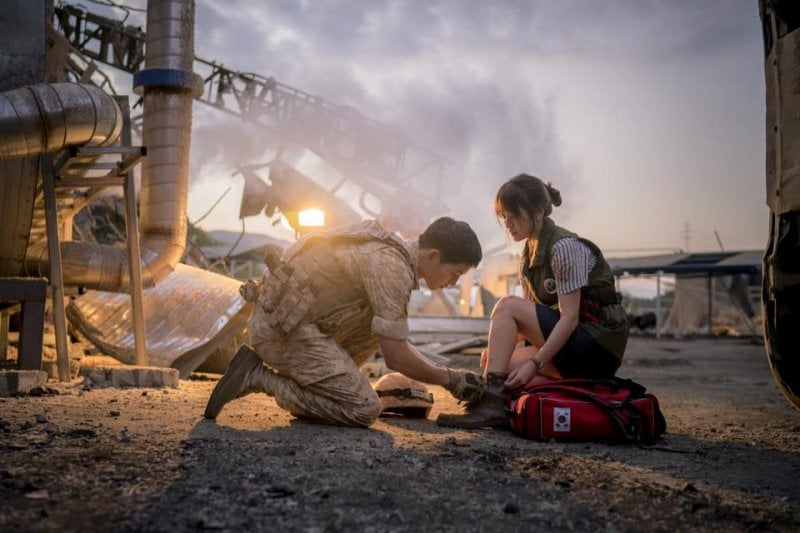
(167, 78)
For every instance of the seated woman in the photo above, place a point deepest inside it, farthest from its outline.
(570, 318)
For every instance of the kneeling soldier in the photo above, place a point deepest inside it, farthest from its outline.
(331, 301)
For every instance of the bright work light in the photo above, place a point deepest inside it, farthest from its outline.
(311, 218)
(303, 220)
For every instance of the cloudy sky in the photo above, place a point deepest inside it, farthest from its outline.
(647, 114)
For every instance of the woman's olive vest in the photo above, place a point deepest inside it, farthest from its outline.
(601, 313)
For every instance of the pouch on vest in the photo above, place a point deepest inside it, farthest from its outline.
(250, 290)
(287, 295)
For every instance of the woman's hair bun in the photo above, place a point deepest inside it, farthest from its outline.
(555, 194)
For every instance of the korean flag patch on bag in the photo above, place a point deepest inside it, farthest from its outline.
(561, 419)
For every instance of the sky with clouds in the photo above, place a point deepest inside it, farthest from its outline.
(648, 115)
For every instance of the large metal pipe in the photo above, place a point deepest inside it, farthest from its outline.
(35, 125)
(39, 119)
(45, 118)
(168, 85)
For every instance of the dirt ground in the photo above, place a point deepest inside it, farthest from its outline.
(145, 460)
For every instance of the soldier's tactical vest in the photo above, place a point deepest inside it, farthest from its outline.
(601, 314)
(295, 289)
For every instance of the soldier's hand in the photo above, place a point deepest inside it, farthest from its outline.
(465, 385)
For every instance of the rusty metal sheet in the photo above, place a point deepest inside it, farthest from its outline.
(188, 316)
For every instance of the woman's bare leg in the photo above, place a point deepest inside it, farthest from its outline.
(511, 315)
(521, 355)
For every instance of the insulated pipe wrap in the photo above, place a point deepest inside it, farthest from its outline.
(166, 131)
(48, 100)
(19, 125)
(170, 34)
(45, 118)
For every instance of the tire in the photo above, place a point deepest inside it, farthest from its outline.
(781, 303)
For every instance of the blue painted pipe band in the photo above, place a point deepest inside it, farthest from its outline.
(166, 78)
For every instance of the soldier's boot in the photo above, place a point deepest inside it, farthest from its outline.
(245, 374)
(488, 412)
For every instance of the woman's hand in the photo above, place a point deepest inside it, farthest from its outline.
(484, 358)
(523, 374)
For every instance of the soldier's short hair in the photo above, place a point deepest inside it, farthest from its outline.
(454, 239)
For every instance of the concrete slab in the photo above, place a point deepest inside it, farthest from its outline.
(51, 367)
(130, 376)
(21, 381)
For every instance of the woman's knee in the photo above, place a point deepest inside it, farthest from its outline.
(506, 306)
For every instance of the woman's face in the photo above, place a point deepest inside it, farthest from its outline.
(520, 226)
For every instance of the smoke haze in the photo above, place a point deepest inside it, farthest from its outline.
(648, 116)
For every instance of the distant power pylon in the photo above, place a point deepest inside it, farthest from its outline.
(686, 233)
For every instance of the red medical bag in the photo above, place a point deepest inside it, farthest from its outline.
(616, 410)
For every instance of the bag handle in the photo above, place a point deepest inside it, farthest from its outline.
(613, 382)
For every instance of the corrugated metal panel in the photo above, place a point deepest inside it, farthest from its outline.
(645, 264)
(747, 259)
(744, 262)
(188, 315)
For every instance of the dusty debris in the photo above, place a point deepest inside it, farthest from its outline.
(159, 466)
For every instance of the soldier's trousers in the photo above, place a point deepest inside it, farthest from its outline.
(317, 378)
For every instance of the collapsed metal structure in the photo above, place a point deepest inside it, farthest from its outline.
(378, 157)
(54, 135)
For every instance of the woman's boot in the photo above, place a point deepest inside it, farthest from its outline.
(488, 412)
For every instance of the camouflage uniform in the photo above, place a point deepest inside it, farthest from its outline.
(360, 280)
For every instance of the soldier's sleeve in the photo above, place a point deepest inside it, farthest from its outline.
(388, 281)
